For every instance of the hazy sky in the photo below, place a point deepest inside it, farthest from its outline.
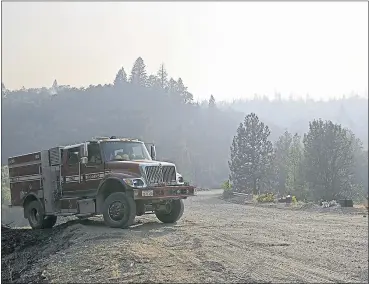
(233, 49)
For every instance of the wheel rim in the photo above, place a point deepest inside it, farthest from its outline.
(35, 216)
(116, 211)
(168, 208)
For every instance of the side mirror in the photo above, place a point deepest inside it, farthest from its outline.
(153, 152)
(84, 160)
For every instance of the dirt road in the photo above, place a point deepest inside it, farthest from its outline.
(215, 241)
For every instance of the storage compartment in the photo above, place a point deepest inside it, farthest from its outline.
(86, 206)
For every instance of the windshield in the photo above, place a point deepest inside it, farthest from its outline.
(124, 151)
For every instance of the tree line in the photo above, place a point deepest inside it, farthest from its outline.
(154, 108)
(328, 162)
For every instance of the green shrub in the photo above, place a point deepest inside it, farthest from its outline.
(227, 189)
(226, 185)
(264, 198)
(294, 199)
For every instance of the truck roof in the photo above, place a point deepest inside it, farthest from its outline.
(103, 139)
(94, 139)
(115, 139)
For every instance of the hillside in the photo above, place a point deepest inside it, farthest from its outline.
(196, 136)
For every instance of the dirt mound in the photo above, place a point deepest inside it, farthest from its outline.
(24, 249)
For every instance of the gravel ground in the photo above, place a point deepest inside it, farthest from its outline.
(215, 241)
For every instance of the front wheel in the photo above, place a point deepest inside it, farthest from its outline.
(174, 211)
(49, 221)
(119, 210)
(37, 218)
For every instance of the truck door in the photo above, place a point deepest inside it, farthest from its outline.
(70, 172)
(93, 171)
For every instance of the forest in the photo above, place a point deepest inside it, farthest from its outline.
(201, 136)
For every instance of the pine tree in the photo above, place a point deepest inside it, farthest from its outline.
(54, 88)
(212, 102)
(120, 78)
(360, 170)
(187, 97)
(55, 85)
(328, 160)
(153, 82)
(182, 91)
(251, 156)
(163, 77)
(180, 87)
(295, 178)
(138, 73)
(282, 148)
(237, 162)
(172, 86)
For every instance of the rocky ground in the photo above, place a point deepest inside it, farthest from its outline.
(215, 241)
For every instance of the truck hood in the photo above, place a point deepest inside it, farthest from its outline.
(132, 168)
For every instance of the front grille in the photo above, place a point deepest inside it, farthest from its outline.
(164, 174)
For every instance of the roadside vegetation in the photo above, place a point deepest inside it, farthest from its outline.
(327, 163)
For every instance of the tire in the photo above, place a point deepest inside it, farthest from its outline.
(49, 221)
(37, 218)
(175, 213)
(122, 219)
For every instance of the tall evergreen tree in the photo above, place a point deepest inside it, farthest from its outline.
(138, 73)
(180, 87)
(212, 102)
(163, 76)
(55, 85)
(153, 82)
(360, 170)
(182, 91)
(294, 170)
(172, 86)
(329, 160)
(238, 158)
(120, 78)
(282, 148)
(251, 155)
(187, 97)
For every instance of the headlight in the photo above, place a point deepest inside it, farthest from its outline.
(179, 178)
(135, 182)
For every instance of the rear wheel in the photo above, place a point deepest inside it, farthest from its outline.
(172, 213)
(119, 210)
(37, 218)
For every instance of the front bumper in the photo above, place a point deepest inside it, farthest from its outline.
(165, 192)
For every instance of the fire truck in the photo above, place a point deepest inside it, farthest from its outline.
(114, 177)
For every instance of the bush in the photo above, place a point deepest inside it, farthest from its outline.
(227, 189)
(264, 198)
(294, 199)
(227, 194)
